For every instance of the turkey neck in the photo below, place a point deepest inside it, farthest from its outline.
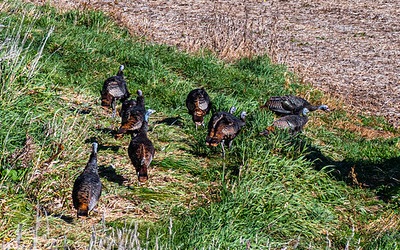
(143, 130)
(313, 107)
(120, 73)
(91, 166)
(140, 101)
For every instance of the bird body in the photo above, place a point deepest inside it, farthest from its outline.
(294, 123)
(141, 150)
(132, 115)
(114, 88)
(127, 105)
(198, 104)
(223, 127)
(87, 187)
(290, 105)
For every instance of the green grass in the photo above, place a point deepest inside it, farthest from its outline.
(331, 187)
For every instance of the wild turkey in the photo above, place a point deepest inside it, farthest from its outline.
(132, 115)
(198, 105)
(87, 187)
(126, 106)
(223, 127)
(290, 105)
(114, 88)
(141, 149)
(294, 123)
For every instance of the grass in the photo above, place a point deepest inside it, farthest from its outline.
(335, 186)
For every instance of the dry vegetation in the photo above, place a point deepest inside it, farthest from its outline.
(350, 50)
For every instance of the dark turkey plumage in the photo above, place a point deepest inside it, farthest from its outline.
(198, 104)
(87, 187)
(291, 105)
(293, 123)
(114, 88)
(126, 106)
(132, 115)
(141, 150)
(223, 127)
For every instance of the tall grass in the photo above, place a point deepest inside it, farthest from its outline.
(20, 60)
(328, 188)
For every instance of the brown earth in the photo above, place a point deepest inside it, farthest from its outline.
(348, 49)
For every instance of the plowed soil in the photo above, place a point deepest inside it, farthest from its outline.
(348, 49)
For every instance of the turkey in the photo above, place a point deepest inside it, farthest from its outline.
(132, 115)
(114, 88)
(290, 105)
(294, 123)
(87, 187)
(198, 105)
(141, 149)
(223, 127)
(126, 106)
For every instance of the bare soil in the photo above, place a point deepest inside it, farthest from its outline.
(347, 49)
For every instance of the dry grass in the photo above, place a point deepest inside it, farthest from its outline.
(24, 155)
(388, 222)
(50, 183)
(346, 49)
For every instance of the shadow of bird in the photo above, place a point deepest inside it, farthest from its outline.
(111, 175)
(223, 127)
(87, 187)
(141, 150)
(114, 88)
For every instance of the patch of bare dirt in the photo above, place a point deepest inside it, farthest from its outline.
(348, 49)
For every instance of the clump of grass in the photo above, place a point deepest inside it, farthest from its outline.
(19, 132)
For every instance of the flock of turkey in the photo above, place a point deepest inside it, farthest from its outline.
(223, 127)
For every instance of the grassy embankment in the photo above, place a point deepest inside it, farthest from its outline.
(334, 186)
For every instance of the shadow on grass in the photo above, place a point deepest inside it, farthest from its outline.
(109, 174)
(67, 219)
(113, 148)
(102, 146)
(82, 111)
(199, 152)
(384, 177)
(197, 147)
(172, 121)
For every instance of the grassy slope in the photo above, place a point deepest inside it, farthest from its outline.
(273, 192)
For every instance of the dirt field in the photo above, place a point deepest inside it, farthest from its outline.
(349, 49)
